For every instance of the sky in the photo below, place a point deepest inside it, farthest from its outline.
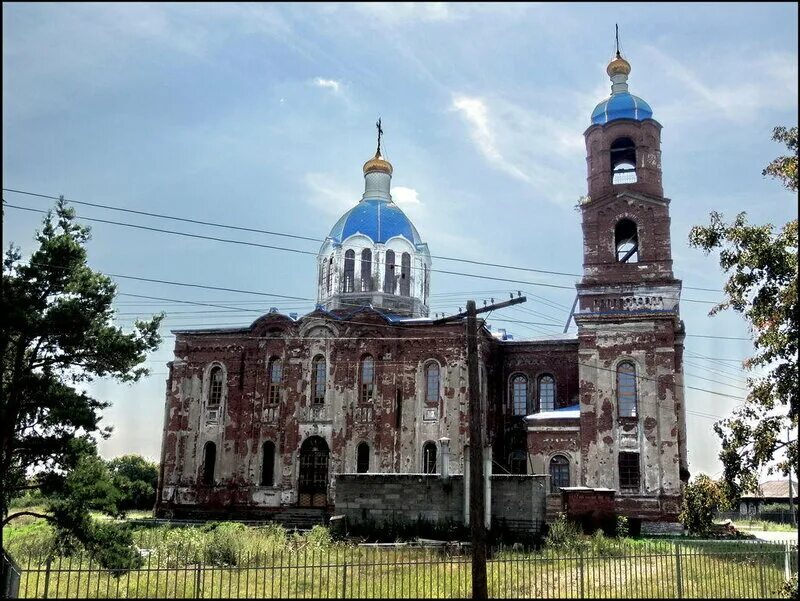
(261, 115)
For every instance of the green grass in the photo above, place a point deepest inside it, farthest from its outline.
(763, 525)
(230, 560)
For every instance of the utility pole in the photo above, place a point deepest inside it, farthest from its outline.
(791, 499)
(476, 500)
(476, 474)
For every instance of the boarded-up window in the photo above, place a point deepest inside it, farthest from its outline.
(405, 275)
(366, 270)
(348, 284)
(389, 281)
(367, 379)
(318, 378)
(362, 458)
(626, 389)
(209, 463)
(275, 376)
(547, 393)
(629, 471)
(519, 395)
(268, 464)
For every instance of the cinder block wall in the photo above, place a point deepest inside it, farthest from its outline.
(384, 498)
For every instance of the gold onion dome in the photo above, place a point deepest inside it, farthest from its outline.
(618, 66)
(377, 163)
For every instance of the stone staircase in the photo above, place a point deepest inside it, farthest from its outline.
(301, 518)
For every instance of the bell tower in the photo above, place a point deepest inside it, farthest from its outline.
(629, 329)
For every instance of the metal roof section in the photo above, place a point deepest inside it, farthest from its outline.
(377, 219)
(570, 412)
(621, 106)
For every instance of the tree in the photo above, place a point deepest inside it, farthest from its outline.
(700, 500)
(762, 286)
(57, 335)
(136, 479)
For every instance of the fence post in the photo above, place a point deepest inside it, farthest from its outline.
(678, 570)
(197, 592)
(787, 572)
(47, 577)
(344, 581)
(761, 573)
(580, 568)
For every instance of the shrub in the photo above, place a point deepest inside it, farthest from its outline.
(563, 534)
(226, 543)
(622, 526)
(319, 537)
(789, 589)
(701, 499)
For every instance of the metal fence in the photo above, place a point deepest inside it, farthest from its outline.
(658, 569)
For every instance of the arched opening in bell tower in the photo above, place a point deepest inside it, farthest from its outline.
(626, 241)
(623, 161)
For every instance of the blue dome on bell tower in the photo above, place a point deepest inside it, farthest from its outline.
(621, 104)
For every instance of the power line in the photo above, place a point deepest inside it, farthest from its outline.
(295, 236)
(306, 252)
(173, 283)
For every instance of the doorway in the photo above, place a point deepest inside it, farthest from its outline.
(313, 482)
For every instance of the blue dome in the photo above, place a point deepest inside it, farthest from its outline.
(377, 219)
(622, 105)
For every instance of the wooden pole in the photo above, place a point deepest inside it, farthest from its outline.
(476, 500)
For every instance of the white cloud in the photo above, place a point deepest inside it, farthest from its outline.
(536, 149)
(331, 84)
(477, 116)
(734, 91)
(405, 196)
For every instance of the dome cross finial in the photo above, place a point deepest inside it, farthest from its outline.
(380, 133)
(616, 35)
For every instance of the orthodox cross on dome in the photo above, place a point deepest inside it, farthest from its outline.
(380, 133)
(616, 30)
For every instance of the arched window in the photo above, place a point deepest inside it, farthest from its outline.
(424, 282)
(519, 395)
(429, 458)
(626, 241)
(547, 393)
(518, 462)
(629, 471)
(275, 372)
(215, 381)
(348, 283)
(366, 270)
(367, 379)
(405, 275)
(623, 161)
(432, 382)
(389, 281)
(209, 461)
(626, 389)
(362, 458)
(318, 378)
(329, 278)
(559, 473)
(268, 464)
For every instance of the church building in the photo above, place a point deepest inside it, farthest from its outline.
(261, 419)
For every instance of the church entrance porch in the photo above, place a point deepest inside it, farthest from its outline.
(312, 486)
